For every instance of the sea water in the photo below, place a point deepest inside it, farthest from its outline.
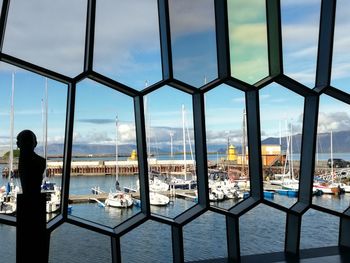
(261, 229)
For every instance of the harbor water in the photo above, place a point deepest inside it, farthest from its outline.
(261, 229)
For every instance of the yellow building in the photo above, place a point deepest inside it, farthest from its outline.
(133, 156)
(232, 154)
(269, 153)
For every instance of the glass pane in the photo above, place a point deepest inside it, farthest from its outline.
(104, 168)
(281, 115)
(248, 40)
(38, 104)
(227, 146)
(134, 58)
(53, 38)
(332, 160)
(8, 243)
(153, 237)
(75, 244)
(258, 227)
(170, 148)
(300, 23)
(198, 248)
(318, 230)
(193, 44)
(341, 54)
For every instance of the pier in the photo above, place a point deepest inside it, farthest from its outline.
(124, 167)
(166, 167)
(89, 198)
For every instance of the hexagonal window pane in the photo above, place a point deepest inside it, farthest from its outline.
(341, 54)
(32, 102)
(227, 146)
(195, 247)
(281, 115)
(53, 38)
(332, 160)
(104, 168)
(248, 40)
(135, 57)
(8, 241)
(170, 148)
(146, 237)
(193, 41)
(300, 28)
(258, 227)
(66, 245)
(311, 236)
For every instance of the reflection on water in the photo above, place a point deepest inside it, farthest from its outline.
(261, 230)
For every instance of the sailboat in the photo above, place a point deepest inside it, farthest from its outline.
(184, 183)
(287, 179)
(155, 198)
(8, 201)
(118, 198)
(52, 191)
(155, 183)
(330, 187)
(8, 197)
(158, 199)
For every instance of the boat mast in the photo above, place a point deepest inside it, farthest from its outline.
(171, 133)
(243, 140)
(287, 158)
(184, 139)
(12, 124)
(332, 156)
(46, 119)
(291, 152)
(44, 112)
(116, 153)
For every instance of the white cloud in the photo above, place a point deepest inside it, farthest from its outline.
(191, 17)
(44, 38)
(333, 121)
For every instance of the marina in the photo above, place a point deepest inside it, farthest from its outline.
(259, 226)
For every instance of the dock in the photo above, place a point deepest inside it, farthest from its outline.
(88, 198)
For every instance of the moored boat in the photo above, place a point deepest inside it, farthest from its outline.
(119, 200)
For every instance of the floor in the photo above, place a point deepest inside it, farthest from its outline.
(317, 255)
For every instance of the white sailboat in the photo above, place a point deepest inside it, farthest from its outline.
(185, 182)
(155, 198)
(8, 196)
(330, 187)
(8, 200)
(158, 199)
(155, 183)
(52, 191)
(287, 179)
(118, 198)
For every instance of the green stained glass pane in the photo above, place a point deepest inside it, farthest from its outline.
(248, 40)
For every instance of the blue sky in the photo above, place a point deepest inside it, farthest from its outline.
(127, 49)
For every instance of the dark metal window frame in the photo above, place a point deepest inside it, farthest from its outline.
(311, 106)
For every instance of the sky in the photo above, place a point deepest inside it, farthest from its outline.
(127, 49)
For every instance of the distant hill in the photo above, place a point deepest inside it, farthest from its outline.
(341, 142)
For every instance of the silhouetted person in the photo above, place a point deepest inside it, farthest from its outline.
(31, 166)
(32, 239)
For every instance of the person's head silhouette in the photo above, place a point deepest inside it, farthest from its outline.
(26, 141)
